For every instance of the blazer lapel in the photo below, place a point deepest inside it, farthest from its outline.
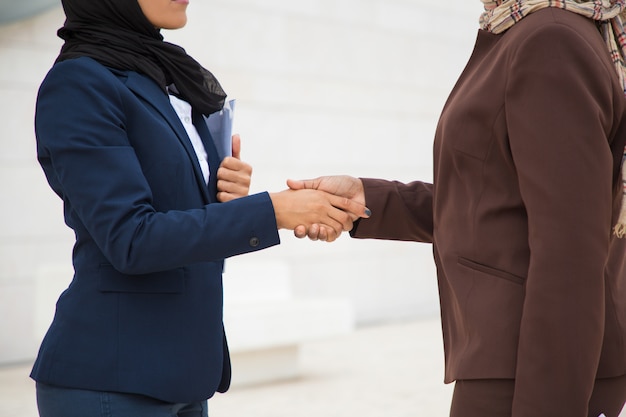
(214, 160)
(151, 93)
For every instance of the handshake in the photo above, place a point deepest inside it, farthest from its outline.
(321, 208)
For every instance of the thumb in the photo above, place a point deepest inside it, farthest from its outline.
(236, 146)
(302, 184)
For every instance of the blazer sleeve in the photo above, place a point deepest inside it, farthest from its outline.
(89, 160)
(399, 211)
(559, 105)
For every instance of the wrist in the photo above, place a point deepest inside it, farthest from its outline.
(277, 203)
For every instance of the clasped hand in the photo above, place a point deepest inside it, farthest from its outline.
(316, 213)
(344, 186)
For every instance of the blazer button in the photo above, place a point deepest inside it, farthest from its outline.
(254, 242)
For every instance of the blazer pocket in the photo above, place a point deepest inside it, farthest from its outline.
(165, 282)
(491, 271)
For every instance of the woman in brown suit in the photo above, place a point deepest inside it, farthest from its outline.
(524, 213)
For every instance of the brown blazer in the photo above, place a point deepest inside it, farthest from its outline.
(526, 188)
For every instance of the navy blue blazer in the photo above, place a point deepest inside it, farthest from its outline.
(143, 313)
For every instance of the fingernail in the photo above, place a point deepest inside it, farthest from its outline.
(368, 212)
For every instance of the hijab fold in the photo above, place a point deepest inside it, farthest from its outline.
(118, 35)
(500, 15)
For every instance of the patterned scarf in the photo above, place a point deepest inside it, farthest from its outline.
(500, 15)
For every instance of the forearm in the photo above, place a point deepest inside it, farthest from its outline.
(560, 340)
(399, 211)
(152, 241)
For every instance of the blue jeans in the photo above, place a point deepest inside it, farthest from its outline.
(66, 402)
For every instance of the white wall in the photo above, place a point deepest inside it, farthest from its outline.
(323, 86)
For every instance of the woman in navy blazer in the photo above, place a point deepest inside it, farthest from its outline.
(139, 331)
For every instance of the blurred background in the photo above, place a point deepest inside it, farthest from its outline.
(322, 87)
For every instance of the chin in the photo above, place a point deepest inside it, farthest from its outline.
(174, 24)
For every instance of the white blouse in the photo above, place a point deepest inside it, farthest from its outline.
(183, 110)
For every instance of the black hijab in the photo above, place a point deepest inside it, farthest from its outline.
(118, 35)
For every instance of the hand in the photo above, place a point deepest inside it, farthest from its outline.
(305, 208)
(233, 175)
(340, 185)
